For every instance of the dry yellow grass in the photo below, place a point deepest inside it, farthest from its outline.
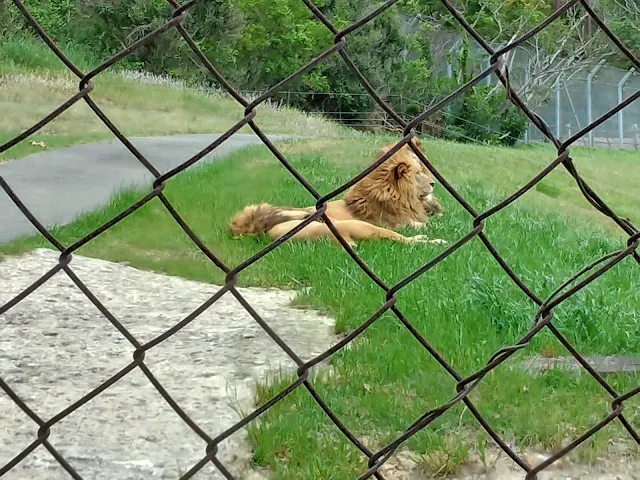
(131, 104)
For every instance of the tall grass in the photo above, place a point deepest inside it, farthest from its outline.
(22, 53)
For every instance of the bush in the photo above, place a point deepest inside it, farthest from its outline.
(513, 124)
(254, 43)
(56, 17)
(10, 19)
(482, 115)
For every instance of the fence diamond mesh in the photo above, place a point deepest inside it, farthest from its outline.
(543, 318)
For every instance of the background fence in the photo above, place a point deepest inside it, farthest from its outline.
(378, 119)
(543, 318)
(573, 104)
(576, 102)
(574, 97)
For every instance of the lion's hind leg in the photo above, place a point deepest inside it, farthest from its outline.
(312, 231)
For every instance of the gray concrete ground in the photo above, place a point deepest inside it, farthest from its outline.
(55, 347)
(496, 465)
(58, 185)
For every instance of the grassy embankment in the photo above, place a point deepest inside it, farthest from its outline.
(34, 82)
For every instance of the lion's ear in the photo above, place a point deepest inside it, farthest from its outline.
(418, 144)
(380, 153)
(402, 169)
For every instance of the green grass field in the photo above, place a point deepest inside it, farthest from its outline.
(466, 306)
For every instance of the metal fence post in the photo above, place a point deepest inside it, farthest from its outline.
(589, 119)
(527, 78)
(621, 83)
(449, 75)
(558, 129)
(488, 78)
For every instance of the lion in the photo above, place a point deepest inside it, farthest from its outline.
(398, 193)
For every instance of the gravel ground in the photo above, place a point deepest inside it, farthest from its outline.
(55, 347)
(498, 466)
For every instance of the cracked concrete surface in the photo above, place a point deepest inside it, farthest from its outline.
(55, 347)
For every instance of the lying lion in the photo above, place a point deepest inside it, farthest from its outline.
(397, 193)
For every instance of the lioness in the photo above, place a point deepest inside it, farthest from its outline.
(397, 193)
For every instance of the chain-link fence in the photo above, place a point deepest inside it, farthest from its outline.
(543, 318)
(570, 94)
(576, 101)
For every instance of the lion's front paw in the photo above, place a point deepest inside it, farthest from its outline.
(417, 225)
(419, 239)
(426, 239)
(438, 241)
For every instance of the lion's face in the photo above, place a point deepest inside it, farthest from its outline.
(421, 175)
(398, 191)
(424, 182)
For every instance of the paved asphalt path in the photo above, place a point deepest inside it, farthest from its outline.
(58, 185)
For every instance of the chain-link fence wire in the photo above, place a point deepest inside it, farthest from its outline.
(543, 317)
